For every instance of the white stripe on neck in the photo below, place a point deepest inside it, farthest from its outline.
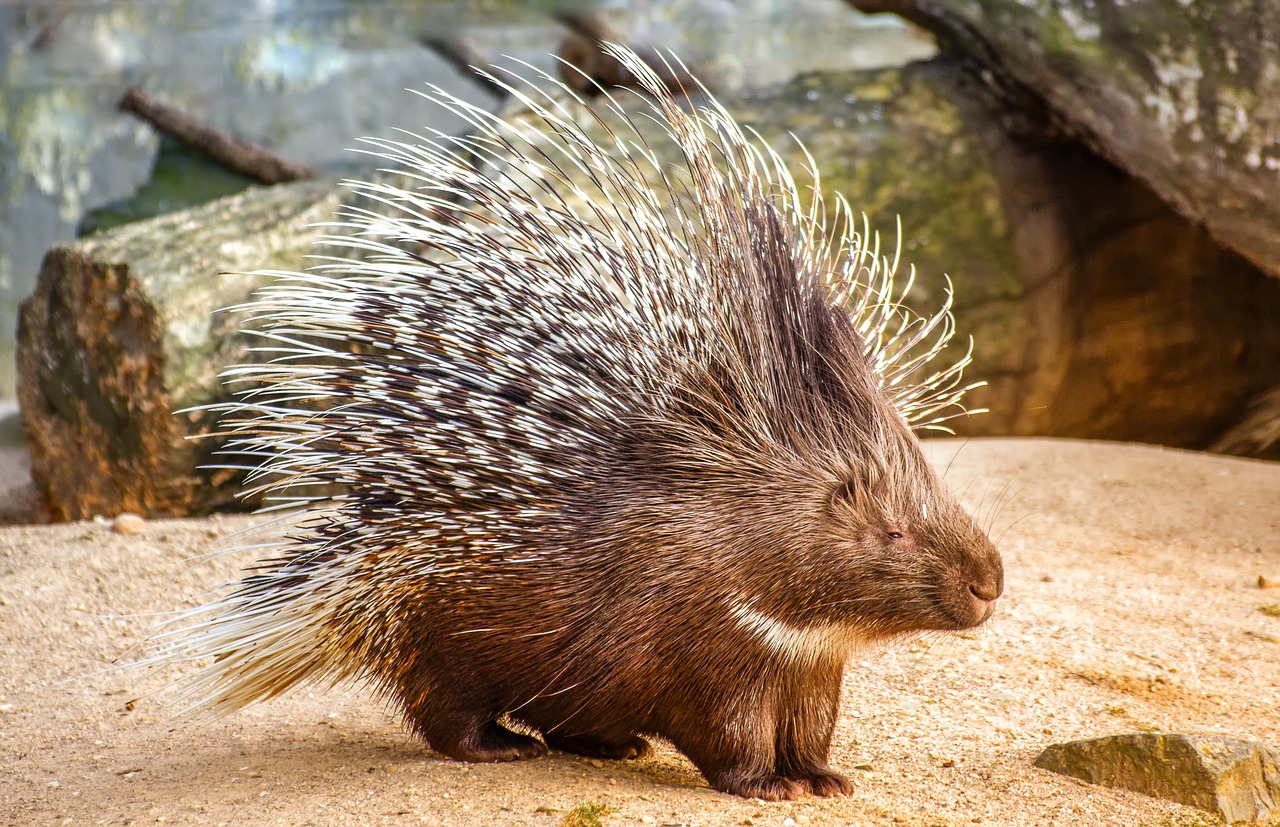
(799, 644)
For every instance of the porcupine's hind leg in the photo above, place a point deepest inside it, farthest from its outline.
(806, 722)
(480, 741)
(456, 720)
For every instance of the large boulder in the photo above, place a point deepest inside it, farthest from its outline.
(1184, 96)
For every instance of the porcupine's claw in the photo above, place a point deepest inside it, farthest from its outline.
(490, 742)
(634, 747)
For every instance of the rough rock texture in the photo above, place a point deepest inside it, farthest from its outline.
(1096, 310)
(1134, 324)
(121, 333)
(1127, 127)
(1183, 95)
(1239, 780)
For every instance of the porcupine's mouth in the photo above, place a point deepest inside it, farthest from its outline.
(971, 602)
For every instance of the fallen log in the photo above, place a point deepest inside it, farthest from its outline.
(121, 332)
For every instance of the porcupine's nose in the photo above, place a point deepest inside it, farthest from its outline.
(984, 590)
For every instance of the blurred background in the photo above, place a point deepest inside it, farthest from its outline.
(1093, 180)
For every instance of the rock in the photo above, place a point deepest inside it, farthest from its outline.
(1184, 96)
(128, 524)
(121, 333)
(1257, 433)
(1238, 780)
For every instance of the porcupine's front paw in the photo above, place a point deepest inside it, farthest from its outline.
(767, 787)
(634, 747)
(490, 742)
(822, 780)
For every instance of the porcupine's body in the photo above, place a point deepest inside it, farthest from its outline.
(620, 462)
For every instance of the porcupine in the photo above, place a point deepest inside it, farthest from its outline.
(625, 458)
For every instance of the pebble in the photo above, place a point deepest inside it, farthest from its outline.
(128, 524)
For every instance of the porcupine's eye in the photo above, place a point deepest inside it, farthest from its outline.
(894, 535)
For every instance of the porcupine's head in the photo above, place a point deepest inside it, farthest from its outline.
(789, 451)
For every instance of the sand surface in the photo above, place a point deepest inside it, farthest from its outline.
(1131, 604)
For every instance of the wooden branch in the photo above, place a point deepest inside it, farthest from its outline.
(467, 61)
(237, 154)
(584, 49)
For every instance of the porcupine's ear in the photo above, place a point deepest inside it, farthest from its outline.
(849, 496)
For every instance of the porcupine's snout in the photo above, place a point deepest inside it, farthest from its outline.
(974, 584)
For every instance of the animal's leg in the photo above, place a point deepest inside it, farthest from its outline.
(807, 721)
(734, 747)
(459, 722)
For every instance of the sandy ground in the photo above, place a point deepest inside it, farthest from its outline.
(1131, 604)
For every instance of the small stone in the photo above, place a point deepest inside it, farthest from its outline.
(597, 763)
(1267, 583)
(128, 524)
(1238, 780)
